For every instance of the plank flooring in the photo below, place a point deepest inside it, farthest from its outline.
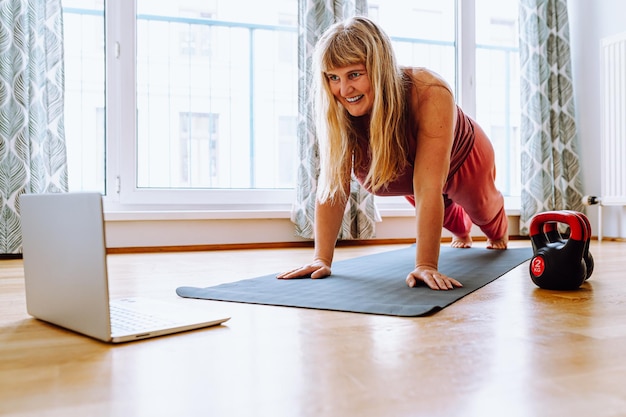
(508, 349)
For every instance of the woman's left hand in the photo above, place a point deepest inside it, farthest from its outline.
(431, 277)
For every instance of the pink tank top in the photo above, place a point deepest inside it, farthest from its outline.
(403, 184)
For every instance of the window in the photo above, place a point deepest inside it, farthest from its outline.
(201, 95)
(423, 32)
(84, 93)
(498, 87)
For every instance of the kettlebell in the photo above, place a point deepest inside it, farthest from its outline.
(553, 235)
(560, 263)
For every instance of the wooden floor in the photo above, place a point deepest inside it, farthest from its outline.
(508, 349)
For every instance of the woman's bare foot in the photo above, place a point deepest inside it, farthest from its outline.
(499, 244)
(461, 242)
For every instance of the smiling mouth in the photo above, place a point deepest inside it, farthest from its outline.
(354, 99)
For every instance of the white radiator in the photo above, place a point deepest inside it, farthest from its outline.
(614, 120)
(613, 135)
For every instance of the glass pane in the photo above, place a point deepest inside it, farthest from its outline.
(84, 49)
(497, 86)
(422, 31)
(217, 93)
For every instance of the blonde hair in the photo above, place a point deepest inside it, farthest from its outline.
(359, 41)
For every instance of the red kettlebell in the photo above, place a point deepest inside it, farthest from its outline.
(560, 263)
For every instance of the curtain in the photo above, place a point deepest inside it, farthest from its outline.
(32, 138)
(549, 161)
(315, 16)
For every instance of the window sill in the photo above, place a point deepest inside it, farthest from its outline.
(182, 215)
(173, 215)
(396, 208)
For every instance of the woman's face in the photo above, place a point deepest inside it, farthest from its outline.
(352, 88)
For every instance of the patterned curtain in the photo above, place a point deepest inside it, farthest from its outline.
(315, 16)
(32, 139)
(550, 163)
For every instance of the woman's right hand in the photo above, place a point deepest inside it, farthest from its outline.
(327, 223)
(316, 269)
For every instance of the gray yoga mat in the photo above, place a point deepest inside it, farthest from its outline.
(372, 284)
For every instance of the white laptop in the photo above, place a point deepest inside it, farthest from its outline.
(65, 270)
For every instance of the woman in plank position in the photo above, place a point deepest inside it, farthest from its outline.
(400, 132)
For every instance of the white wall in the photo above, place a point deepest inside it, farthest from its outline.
(590, 21)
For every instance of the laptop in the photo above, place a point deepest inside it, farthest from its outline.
(65, 270)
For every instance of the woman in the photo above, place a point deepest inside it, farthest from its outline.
(401, 133)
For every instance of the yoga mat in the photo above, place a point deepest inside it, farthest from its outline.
(373, 284)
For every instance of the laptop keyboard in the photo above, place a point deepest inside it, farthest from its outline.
(130, 321)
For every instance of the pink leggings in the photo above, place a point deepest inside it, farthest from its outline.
(471, 196)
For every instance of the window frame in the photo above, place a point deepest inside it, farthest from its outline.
(121, 150)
